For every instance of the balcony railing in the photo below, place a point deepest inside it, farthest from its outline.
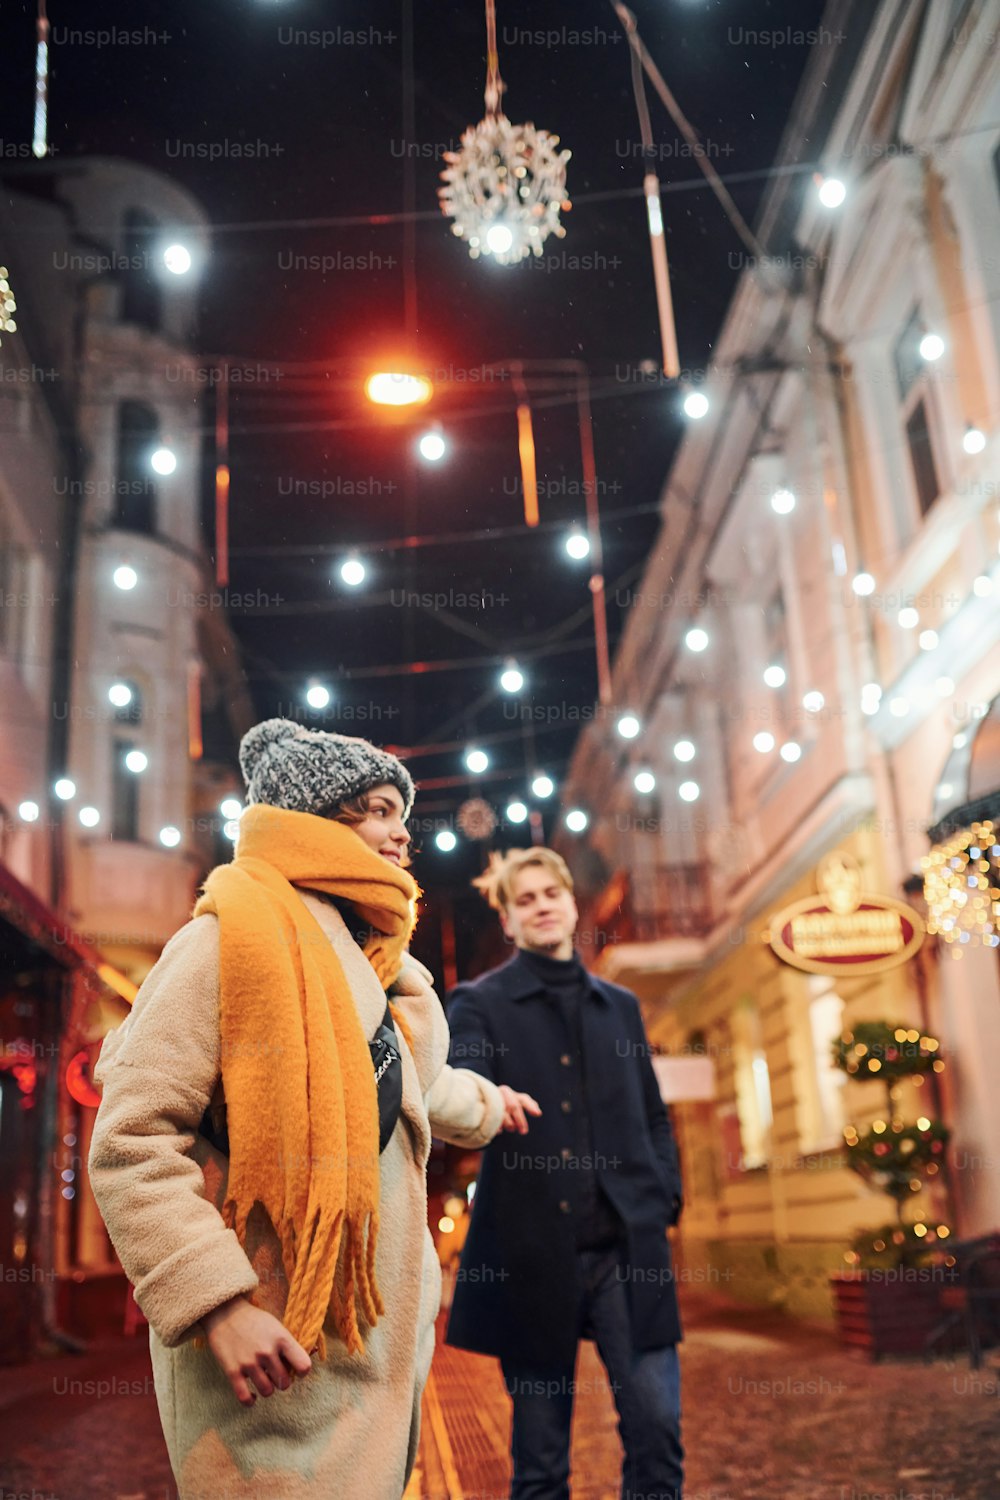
(671, 901)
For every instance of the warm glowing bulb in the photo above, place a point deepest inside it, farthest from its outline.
(395, 388)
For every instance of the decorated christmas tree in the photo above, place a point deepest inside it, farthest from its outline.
(897, 1158)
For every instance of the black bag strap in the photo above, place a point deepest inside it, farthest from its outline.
(388, 1065)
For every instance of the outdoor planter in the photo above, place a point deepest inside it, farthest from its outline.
(882, 1316)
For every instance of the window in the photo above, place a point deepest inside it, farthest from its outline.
(819, 1085)
(914, 381)
(135, 490)
(142, 301)
(124, 794)
(776, 651)
(918, 438)
(753, 1086)
(15, 595)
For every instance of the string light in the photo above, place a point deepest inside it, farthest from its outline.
(962, 886)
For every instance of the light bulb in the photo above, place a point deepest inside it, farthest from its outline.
(177, 258)
(499, 239)
(576, 820)
(432, 447)
(163, 461)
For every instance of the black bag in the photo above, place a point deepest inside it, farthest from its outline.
(388, 1065)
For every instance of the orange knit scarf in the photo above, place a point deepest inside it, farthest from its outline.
(301, 1100)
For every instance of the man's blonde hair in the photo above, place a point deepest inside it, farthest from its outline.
(496, 882)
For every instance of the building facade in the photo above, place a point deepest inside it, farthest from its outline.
(123, 700)
(812, 654)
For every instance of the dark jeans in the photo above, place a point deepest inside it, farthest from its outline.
(645, 1384)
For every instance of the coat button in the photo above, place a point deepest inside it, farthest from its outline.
(565, 1207)
(566, 1106)
(566, 1060)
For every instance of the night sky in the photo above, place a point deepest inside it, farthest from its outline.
(315, 473)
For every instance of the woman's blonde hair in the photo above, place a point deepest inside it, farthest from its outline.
(496, 882)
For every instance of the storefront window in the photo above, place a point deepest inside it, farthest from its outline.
(819, 1086)
(753, 1087)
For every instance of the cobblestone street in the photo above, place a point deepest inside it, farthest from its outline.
(772, 1411)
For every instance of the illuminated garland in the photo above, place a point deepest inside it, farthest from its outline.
(962, 887)
(876, 1049)
(7, 303)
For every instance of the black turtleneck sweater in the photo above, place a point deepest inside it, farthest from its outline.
(567, 985)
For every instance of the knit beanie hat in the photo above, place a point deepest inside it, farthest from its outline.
(309, 770)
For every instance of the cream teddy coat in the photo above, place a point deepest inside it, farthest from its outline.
(348, 1429)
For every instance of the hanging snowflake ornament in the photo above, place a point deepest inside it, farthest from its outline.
(506, 186)
(476, 818)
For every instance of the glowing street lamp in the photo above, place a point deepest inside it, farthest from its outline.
(397, 388)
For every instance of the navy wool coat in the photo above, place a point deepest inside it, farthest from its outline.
(517, 1294)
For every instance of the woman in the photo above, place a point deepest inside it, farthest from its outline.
(281, 1254)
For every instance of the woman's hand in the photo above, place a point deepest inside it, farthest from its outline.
(251, 1345)
(515, 1106)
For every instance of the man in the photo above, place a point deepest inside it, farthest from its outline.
(568, 1231)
